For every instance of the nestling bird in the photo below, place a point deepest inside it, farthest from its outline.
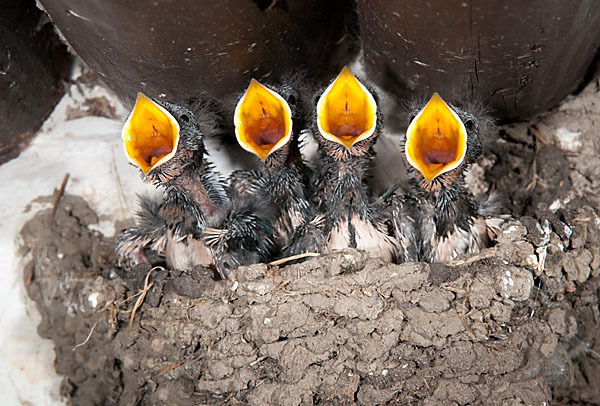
(166, 142)
(268, 121)
(442, 140)
(346, 126)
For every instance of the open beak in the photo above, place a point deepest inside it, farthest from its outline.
(263, 120)
(346, 112)
(436, 139)
(150, 134)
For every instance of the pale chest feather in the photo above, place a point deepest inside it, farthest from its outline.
(286, 225)
(160, 245)
(460, 241)
(365, 236)
(184, 253)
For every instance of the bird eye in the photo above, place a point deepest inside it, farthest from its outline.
(469, 125)
(291, 99)
(185, 118)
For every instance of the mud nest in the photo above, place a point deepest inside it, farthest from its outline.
(515, 324)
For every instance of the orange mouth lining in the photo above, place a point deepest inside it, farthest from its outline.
(346, 111)
(436, 139)
(262, 120)
(150, 134)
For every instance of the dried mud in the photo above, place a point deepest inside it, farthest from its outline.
(516, 324)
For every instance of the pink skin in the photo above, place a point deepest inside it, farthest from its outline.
(269, 135)
(158, 153)
(138, 257)
(347, 131)
(438, 156)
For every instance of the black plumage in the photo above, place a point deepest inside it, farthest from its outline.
(346, 128)
(282, 180)
(451, 221)
(244, 237)
(195, 198)
(400, 210)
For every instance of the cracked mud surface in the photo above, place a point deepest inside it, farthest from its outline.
(515, 324)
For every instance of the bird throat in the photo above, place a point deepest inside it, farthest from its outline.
(441, 152)
(347, 132)
(444, 181)
(438, 157)
(269, 134)
(157, 153)
(190, 183)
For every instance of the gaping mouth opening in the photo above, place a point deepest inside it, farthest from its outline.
(346, 112)
(150, 134)
(263, 120)
(436, 139)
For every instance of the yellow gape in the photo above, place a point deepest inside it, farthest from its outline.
(346, 112)
(263, 120)
(150, 134)
(436, 139)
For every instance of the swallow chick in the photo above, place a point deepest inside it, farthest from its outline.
(268, 121)
(441, 141)
(165, 141)
(346, 125)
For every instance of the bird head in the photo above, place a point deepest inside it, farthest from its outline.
(263, 119)
(440, 140)
(161, 138)
(346, 112)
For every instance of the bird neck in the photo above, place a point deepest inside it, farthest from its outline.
(453, 207)
(284, 171)
(286, 186)
(344, 191)
(198, 189)
(288, 156)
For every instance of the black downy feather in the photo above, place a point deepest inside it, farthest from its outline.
(447, 210)
(194, 196)
(282, 181)
(196, 201)
(344, 196)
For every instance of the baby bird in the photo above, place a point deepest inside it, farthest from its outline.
(441, 142)
(268, 121)
(346, 126)
(165, 142)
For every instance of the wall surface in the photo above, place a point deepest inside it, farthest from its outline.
(521, 58)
